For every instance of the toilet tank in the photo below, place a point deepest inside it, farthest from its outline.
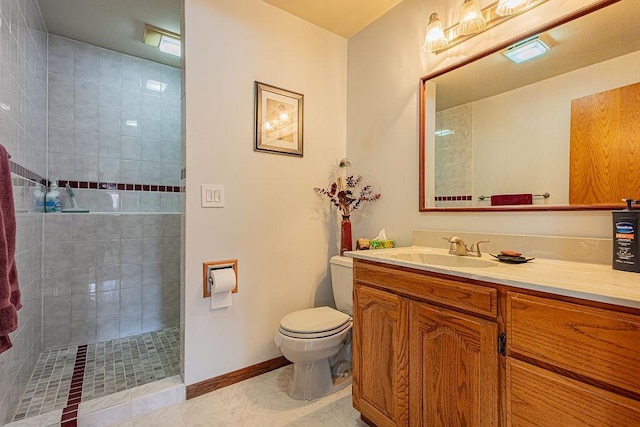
(342, 283)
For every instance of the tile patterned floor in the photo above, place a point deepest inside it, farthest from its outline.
(111, 366)
(261, 402)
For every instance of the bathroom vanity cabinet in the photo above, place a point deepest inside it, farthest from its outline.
(425, 349)
(433, 349)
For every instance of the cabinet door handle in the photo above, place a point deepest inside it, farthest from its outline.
(502, 344)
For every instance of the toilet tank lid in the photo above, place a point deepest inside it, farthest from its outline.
(312, 320)
(342, 260)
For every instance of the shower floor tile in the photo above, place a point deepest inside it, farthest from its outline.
(111, 366)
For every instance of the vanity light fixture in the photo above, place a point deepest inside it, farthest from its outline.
(435, 39)
(509, 7)
(473, 20)
(526, 50)
(164, 40)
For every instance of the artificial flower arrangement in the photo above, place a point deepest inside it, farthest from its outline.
(348, 194)
(342, 192)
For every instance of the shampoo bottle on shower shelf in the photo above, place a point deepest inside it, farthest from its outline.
(52, 200)
(38, 199)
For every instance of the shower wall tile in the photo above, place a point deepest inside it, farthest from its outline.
(56, 282)
(84, 227)
(57, 228)
(107, 328)
(152, 225)
(109, 275)
(85, 64)
(131, 300)
(131, 148)
(83, 331)
(131, 251)
(85, 143)
(85, 118)
(83, 254)
(132, 225)
(108, 278)
(130, 170)
(61, 140)
(109, 227)
(83, 280)
(131, 275)
(453, 154)
(131, 323)
(151, 202)
(170, 202)
(62, 163)
(113, 118)
(54, 334)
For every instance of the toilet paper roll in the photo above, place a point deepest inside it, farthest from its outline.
(222, 283)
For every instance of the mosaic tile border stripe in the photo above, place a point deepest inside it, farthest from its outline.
(70, 412)
(452, 198)
(25, 173)
(121, 186)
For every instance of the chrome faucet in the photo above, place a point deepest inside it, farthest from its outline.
(458, 247)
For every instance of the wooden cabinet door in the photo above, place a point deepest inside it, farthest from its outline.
(537, 397)
(454, 368)
(380, 356)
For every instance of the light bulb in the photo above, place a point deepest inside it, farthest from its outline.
(435, 39)
(509, 7)
(471, 19)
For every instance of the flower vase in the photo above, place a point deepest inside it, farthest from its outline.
(345, 235)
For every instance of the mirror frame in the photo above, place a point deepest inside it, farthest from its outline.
(422, 149)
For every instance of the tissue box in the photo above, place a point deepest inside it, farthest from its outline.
(381, 244)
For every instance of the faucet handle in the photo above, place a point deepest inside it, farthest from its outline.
(475, 247)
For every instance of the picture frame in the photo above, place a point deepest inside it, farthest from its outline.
(278, 120)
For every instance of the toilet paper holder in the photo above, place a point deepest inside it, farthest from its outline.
(216, 265)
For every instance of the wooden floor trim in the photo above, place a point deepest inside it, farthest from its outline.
(206, 386)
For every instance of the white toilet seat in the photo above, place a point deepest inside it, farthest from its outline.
(312, 323)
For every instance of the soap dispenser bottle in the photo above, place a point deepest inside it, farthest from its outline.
(625, 238)
(52, 200)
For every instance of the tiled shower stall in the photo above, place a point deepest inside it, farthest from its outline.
(109, 125)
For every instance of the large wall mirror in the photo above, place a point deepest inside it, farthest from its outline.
(495, 135)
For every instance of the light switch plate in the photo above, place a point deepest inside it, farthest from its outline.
(212, 196)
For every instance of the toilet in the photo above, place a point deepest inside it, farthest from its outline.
(318, 340)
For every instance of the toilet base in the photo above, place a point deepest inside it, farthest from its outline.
(313, 380)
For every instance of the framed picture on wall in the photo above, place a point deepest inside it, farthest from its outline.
(278, 127)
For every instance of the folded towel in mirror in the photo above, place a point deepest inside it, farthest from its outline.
(511, 199)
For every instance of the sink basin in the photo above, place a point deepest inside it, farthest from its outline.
(443, 260)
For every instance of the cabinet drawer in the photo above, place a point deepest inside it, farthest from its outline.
(536, 397)
(455, 293)
(596, 343)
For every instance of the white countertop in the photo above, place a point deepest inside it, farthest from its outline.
(595, 282)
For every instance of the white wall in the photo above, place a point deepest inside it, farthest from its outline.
(273, 222)
(385, 63)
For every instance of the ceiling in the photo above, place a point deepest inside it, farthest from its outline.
(342, 17)
(113, 24)
(119, 24)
